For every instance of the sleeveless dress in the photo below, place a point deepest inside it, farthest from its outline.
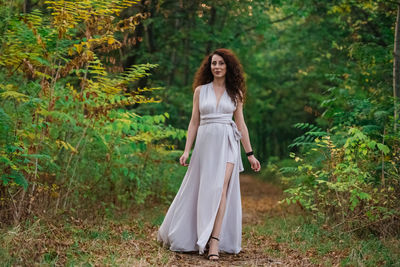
(190, 218)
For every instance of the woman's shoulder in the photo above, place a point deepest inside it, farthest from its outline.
(197, 91)
(205, 85)
(199, 88)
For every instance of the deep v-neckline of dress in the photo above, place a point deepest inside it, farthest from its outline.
(215, 96)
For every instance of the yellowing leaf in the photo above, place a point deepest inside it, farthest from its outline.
(66, 145)
(110, 40)
(78, 48)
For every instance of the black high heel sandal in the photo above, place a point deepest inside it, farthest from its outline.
(207, 246)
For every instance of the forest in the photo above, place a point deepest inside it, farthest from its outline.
(95, 101)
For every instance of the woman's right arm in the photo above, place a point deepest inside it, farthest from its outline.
(193, 126)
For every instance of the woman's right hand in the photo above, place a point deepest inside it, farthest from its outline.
(183, 159)
(255, 164)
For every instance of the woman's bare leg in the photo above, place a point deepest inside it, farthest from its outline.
(221, 211)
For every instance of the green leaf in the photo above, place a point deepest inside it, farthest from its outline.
(18, 178)
(371, 144)
(385, 149)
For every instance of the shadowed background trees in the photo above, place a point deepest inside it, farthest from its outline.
(289, 51)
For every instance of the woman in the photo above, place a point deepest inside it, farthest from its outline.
(206, 212)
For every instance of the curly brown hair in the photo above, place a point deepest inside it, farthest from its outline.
(234, 78)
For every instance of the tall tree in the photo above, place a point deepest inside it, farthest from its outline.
(396, 67)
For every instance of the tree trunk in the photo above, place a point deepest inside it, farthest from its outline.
(27, 8)
(137, 34)
(190, 18)
(173, 59)
(396, 67)
(211, 23)
(151, 8)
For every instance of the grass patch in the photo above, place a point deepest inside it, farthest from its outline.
(323, 245)
(122, 240)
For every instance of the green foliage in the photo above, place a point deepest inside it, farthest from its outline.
(289, 51)
(348, 172)
(308, 138)
(346, 176)
(68, 123)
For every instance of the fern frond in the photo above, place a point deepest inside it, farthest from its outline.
(308, 137)
(14, 95)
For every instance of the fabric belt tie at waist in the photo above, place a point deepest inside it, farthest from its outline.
(233, 137)
(236, 133)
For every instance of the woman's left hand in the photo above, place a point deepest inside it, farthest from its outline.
(255, 164)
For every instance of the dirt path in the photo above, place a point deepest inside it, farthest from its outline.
(259, 200)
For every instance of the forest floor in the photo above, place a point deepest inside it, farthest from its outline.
(272, 236)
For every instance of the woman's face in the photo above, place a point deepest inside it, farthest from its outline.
(218, 66)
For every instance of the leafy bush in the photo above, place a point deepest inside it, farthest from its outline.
(69, 134)
(347, 163)
(340, 177)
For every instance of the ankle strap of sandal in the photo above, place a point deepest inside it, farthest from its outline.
(213, 237)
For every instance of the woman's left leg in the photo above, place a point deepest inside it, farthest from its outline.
(221, 211)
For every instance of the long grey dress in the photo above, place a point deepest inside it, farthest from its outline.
(189, 221)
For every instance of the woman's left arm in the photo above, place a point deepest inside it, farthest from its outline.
(239, 120)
